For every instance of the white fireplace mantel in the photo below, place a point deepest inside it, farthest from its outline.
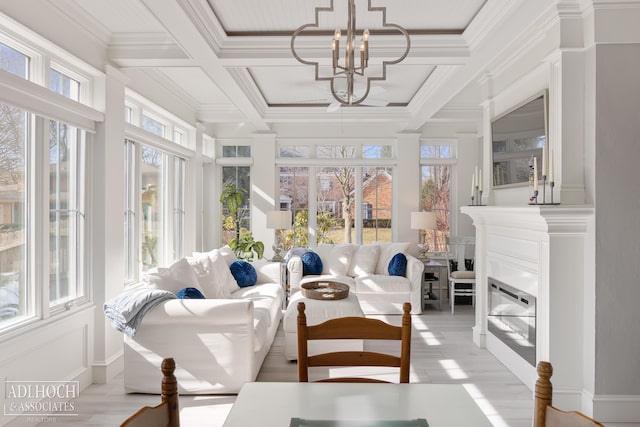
(540, 249)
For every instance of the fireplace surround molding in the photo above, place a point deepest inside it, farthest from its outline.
(540, 250)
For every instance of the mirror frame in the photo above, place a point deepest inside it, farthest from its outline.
(526, 155)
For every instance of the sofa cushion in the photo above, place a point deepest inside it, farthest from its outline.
(380, 283)
(244, 273)
(398, 265)
(335, 258)
(387, 251)
(311, 263)
(463, 274)
(190, 293)
(267, 271)
(266, 298)
(177, 276)
(363, 260)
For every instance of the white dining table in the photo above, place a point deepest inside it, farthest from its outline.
(344, 404)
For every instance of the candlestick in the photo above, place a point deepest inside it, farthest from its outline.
(473, 185)
(535, 175)
(552, 184)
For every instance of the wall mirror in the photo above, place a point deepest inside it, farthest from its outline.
(516, 136)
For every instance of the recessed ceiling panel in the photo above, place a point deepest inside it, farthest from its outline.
(122, 16)
(196, 84)
(251, 16)
(297, 85)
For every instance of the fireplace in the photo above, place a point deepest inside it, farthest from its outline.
(512, 318)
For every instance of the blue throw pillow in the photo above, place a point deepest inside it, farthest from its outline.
(244, 273)
(311, 263)
(398, 265)
(190, 293)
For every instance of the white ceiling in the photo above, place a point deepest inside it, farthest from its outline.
(231, 59)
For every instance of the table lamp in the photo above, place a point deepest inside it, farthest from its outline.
(423, 221)
(278, 220)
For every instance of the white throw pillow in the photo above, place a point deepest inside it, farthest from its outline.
(174, 278)
(335, 258)
(387, 251)
(225, 251)
(364, 260)
(213, 274)
(204, 271)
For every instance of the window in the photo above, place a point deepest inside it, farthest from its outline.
(239, 177)
(435, 189)
(154, 126)
(41, 182)
(377, 193)
(155, 180)
(151, 224)
(64, 85)
(13, 61)
(154, 207)
(178, 206)
(347, 187)
(66, 218)
(14, 294)
(294, 195)
(236, 151)
(130, 211)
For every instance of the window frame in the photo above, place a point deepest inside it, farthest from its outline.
(358, 161)
(451, 162)
(40, 109)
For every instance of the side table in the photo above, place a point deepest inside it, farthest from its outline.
(434, 274)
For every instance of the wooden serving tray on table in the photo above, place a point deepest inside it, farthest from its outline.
(325, 290)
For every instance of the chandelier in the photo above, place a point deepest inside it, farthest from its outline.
(346, 68)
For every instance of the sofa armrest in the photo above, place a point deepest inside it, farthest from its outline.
(415, 268)
(294, 267)
(212, 312)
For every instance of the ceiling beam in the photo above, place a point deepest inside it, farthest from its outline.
(186, 34)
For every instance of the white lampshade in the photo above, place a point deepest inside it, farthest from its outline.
(423, 220)
(279, 220)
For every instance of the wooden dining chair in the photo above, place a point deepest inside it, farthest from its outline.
(359, 328)
(167, 413)
(546, 415)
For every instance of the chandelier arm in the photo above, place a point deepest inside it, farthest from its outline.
(349, 69)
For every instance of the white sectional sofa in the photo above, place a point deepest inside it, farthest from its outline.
(218, 343)
(365, 269)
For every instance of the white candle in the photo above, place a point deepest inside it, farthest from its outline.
(551, 166)
(480, 179)
(544, 160)
(473, 185)
(535, 174)
(475, 175)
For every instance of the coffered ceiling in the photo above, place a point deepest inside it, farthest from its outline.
(231, 60)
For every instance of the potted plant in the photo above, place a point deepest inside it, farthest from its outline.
(243, 244)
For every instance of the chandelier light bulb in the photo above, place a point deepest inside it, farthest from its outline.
(365, 35)
(337, 34)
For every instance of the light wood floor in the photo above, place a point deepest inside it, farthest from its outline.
(442, 352)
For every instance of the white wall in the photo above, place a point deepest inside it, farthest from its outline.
(617, 201)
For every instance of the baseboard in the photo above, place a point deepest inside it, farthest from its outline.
(610, 408)
(105, 371)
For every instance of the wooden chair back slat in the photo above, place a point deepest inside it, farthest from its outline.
(354, 328)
